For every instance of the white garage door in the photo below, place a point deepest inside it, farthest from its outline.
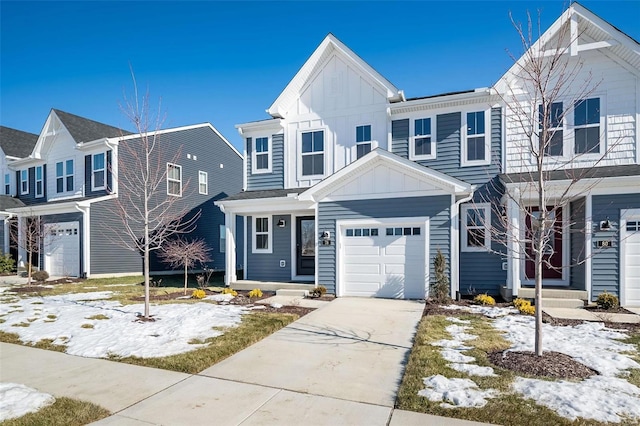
(62, 249)
(630, 257)
(383, 260)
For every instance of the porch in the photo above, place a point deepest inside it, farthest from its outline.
(271, 285)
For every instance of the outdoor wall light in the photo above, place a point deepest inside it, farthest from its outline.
(605, 225)
(282, 223)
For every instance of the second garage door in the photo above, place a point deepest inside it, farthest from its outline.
(383, 259)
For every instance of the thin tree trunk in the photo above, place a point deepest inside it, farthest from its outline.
(146, 271)
(538, 337)
(185, 279)
(29, 258)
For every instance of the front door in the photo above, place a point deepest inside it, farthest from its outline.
(552, 256)
(306, 245)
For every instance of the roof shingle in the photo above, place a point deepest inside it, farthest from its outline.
(16, 143)
(85, 130)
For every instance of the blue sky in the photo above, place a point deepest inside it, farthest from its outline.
(226, 62)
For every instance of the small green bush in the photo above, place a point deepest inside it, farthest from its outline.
(440, 286)
(484, 299)
(40, 276)
(524, 306)
(607, 301)
(7, 264)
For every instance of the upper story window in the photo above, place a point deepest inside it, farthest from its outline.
(203, 183)
(476, 229)
(313, 153)
(421, 146)
(476, 144)
(262, 235)
(7, 184)
(586, 124)
(24, 181)
(39, 183)
(555, 123)
(261, 161)
(64, 176)
(98, 172)
(174, 179)
(363, 140)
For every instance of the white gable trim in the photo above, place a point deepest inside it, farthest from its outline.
(326, 49)
(443, 183)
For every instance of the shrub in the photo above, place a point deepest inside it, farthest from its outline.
(440, 286)
(484, 299)
(256, 292)
(318, 291)
(607, 301)
(230, 291)
(524, 306)
(40, 276)
(198, 294)
(7, 264)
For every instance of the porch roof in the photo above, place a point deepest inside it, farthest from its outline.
(577, 174)
(268, 193)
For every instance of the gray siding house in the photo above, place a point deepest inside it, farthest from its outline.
(70, 180)
(351, 185)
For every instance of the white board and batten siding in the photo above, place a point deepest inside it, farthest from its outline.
(336, 99)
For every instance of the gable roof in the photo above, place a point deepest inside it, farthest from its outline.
(85, 130)
(16, 143)
(594, 33)
(329, 45)
(7, 202)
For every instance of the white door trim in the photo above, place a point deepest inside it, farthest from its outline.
(625, 214)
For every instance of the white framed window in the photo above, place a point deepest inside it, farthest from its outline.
(98, 171)
(261, 155)
(586, 126)
(476, 139)
(554, 121)
(203, 182)
(363, 140)
(312, 152)
(7, 184)
(476, 227)
(422, 144)
(262, 234)
(39, 182)
(24, 182)
(174, 180)
(223, 239)
(64, 176)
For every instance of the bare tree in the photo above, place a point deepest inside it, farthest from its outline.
(183, 253)
(28, 234)
(546, 86)
(149, 188)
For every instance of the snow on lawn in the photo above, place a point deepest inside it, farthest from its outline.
(61, 319)
(590, 343)
(606, 399)
(487, 311)
(455, 392)
(17, 400)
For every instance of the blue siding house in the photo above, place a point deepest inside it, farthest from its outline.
(351, 185)
(69, 178)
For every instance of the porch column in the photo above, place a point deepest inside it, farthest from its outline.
(230, 248)
(513, 246)
(22, 253)
(588, 231)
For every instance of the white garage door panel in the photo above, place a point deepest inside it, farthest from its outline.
(631, 257)
(62, 249)
(391, 266)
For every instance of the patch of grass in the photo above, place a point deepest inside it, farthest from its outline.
(32, 319)
(21, 324)
(98, 317)
(86, 326)
(506, 409)
(254, 327)
(63, 412)
(42, 344)
(51, 316)
(37, 303)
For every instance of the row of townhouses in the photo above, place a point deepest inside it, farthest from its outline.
(352, 185)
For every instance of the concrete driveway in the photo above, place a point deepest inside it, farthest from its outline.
(352, 349)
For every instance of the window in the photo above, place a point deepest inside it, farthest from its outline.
(313, 153)
(24, 181)
(203, 182)
(421, 146)
(363, 140)
(476, 221)
(587, 126)
(554, 122)
(39, 186)
(64, 176)
(261, 161)
(98, 175)
(476, 146)
(7, 184)
(174, 180)
(262, 235)
(362, 232)
(223, 239)
(403, 231)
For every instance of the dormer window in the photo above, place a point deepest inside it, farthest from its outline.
(554, 122)
(313, 153)
(422, 146)
(98, 171)
(261, 156)
(586, 126)
(24, 182)
(64, 176)
(363, 140)
(39, 182)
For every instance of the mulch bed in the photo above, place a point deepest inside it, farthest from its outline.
(634, 328)
(550, 364)
(599, 310)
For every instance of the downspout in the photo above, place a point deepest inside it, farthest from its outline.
(86, 239)
(455, 241)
